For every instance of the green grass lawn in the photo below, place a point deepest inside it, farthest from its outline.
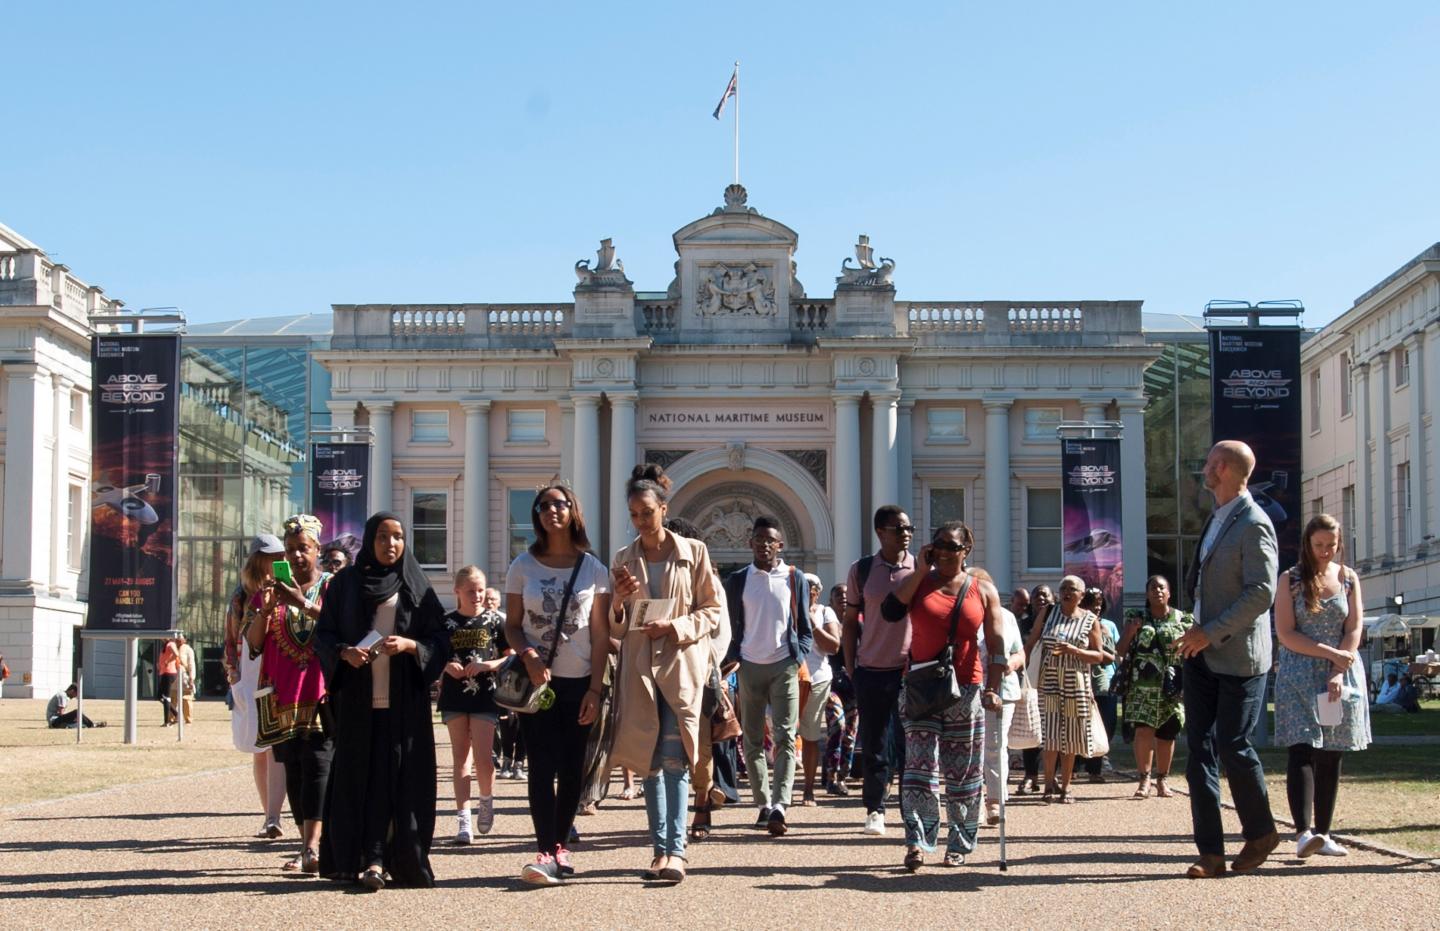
(1426, 723)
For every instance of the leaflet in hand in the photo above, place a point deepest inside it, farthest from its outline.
(370, 641)
(650, 609)
(1330, 712)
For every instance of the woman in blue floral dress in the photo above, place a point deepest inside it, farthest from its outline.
(1317, 619)
(1153, 703)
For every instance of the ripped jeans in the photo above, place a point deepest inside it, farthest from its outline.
(667, 792)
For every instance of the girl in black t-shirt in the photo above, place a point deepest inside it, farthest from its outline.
(467, 699)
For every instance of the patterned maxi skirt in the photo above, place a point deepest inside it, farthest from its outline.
(953, 743)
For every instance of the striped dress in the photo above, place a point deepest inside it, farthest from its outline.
(1065, 684)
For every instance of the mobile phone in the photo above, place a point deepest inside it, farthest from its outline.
(281, 568)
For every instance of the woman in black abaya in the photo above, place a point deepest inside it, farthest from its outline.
(380, 808)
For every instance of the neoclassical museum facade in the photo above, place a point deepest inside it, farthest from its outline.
(758, 395)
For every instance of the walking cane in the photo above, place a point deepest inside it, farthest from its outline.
(1004, 785)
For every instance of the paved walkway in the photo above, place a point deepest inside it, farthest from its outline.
(179, 852)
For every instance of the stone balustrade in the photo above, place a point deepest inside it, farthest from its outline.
(657, 318)
(449, 326)
(1020, 323)
(29, 279)
(810, 316)
(938, 317)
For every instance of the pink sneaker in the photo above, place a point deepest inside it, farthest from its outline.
(543, 872)
(562, 860)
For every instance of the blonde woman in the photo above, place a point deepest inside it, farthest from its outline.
(243, 672)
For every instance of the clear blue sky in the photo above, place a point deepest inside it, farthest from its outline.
(267, 158)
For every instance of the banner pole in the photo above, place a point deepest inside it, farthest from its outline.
(79, 703)
(132, 661)
(737, 122)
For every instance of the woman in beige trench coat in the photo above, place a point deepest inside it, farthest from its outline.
(664, 662)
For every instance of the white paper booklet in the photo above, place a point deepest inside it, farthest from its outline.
(651, 609)
(369, 641)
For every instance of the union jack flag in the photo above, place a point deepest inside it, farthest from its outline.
(730, 91)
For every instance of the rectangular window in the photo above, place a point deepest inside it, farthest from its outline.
(1317, 507)
(522, 531)
(1040, 424)
(1315, 402)
(525, 426)
(74, 524)
(945, 504)
(1347, 515)
(1402, 507)
(945, 424)
(1042, 528)
(1346, 385)
(429, 426)
(429, 512)
(1402, 367)
(77, 410)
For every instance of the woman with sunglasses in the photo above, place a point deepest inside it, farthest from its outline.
(557, 601)
(1040, 597)
(382, 641)
(949, 607)
(1071, 643)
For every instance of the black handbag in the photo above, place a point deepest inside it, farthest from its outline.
(932, 688)
(514, 689)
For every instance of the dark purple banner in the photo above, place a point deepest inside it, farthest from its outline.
(340, 492)
(134, 426)
(1255, 398)
(1092, 532)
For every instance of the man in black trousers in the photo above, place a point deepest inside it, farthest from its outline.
(1227, 657)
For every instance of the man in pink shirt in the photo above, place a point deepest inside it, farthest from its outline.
(876, 661)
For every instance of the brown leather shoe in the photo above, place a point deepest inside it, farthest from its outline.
(1209, 866)
(1254, 853)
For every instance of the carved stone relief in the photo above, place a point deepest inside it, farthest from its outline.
(726, 513)
(747, 291)
(814, 461)
(665, 458)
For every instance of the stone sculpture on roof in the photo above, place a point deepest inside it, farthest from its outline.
(868, 275)
(608, 270)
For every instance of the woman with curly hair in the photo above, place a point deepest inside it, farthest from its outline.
(1154, 706)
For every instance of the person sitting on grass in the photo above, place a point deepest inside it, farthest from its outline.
(57, 716)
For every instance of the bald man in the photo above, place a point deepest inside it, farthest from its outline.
(1227, 656)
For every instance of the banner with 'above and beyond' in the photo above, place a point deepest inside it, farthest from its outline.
(134, 462)
(1092, 531)
(1255, 398)
(340, 492)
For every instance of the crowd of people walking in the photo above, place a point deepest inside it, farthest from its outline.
(912, 670)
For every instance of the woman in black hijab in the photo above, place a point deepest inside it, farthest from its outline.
(381, 638)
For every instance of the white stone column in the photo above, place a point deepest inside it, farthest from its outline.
(59, 487)
(905, 446)
(1431, 517)
(342, 415)
(1364, 528)
(1384, 465)
(476, 521)
(567, 439)
(996, 538)
(382, 454)
(845, 483)
(586, 480)
(622, 460)
(1419, 476)
(884, 456)
(1132, 499)
(25, 554)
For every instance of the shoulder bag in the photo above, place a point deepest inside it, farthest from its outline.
(514, 689)
(932, 688)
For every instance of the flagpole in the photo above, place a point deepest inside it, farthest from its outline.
(737, 122)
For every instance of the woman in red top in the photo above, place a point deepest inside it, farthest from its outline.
(954, 738)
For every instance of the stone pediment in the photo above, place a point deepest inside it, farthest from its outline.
(736, 223)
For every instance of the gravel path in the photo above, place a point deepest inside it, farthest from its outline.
(179, 852)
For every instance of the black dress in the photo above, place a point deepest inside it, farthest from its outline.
(409, 751)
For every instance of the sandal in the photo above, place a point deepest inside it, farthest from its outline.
(1143, 789)
(1065, 798)
(629, 793)
(670, 874)
(589, 808)
(1162, 789)
(310, 861)
(914, 859)
(373, 879)
(700, 828)
(653, 873)
(293, 864)
(954, 858)
(808, 800)
(1052, 791)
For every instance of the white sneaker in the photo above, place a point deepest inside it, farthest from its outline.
(1308, 844)
(463, 835)
(485, 814)
(875, 823)
(520, 771)
(1331, 849)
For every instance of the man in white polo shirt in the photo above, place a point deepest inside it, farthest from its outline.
(769, 606)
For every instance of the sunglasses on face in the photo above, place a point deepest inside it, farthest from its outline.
(553, 504)
(948, 546)
(901, 528)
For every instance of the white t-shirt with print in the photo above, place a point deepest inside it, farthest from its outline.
(816, 662)
(542, 589)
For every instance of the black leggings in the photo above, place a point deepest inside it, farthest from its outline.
(1032, 763)
(307, 772)
(510, 743)
(556, 740)
(1312, 781)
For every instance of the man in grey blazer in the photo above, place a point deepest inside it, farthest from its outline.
(1227, 657)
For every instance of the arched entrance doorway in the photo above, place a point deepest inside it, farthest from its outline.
(725, 512)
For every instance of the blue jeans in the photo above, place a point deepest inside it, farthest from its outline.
(667, 791)
(1220, 713)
